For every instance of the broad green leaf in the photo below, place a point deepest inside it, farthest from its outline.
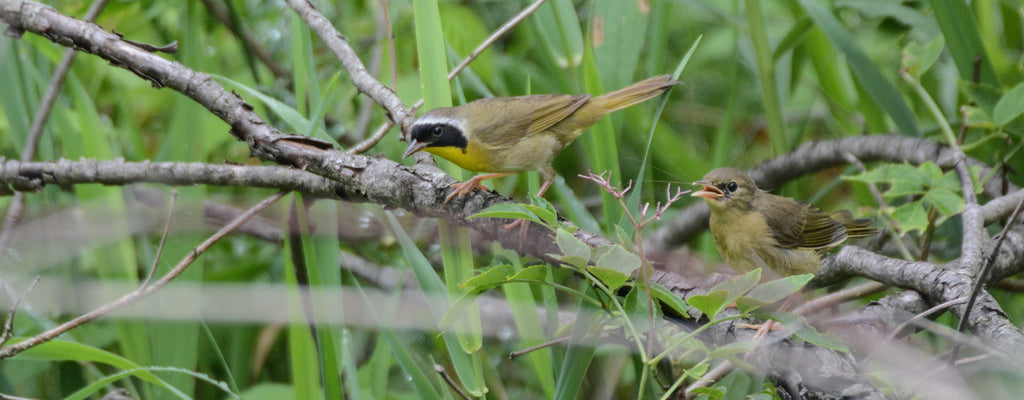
(668, 298)
(739, 285)
(911, 216)
(610, 277)
(1010, 106)
(732, 348)
(771, 292)
(546, 215)
(977, 117)
(493, 276)
(827, 340)
(59, 350)
(710, 304)
(508, 210)
(900, 187)
(917, 59)
(983, 95)
(636, 306)
(710, 392)
(536, 272)
(617, 258)
(572, 248)
(945, 201)
(959, 27)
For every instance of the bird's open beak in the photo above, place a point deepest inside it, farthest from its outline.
(414, 146)
(708, 192)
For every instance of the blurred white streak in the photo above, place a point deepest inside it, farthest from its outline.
(256, 303)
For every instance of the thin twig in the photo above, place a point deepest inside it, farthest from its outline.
(357, 72)
(913, 320)
(141, 292)
(163, 239)
(839, 297)
(711, 376)
(11, 397)
(451, 382)
(250, 44)
(9, 325)
(42, 114)
(501, 31)
(515, 354)
(366, 107)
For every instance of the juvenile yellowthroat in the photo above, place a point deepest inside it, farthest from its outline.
(509, 135)
(753, 228)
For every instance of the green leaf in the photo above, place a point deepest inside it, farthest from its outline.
(610, 277)
(489, 278)
(732, 348)
(712, 393)
(574, 251)
(617, 258)
(739, 285)
(827, 340)
(917, 59)
(508, 210)
(959, 27)
(637, 310)
(878, 87)
(911, 216)
(710, 304)
(945, 201)
(559, 28)
(668, 298)
(1010, 106)
(536, 273)
(771, 292)
(59, 350)
(546, 215)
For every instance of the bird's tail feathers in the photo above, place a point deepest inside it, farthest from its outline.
(855, 227)
(635, 93)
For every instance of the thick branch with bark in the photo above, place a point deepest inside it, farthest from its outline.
(419, 189)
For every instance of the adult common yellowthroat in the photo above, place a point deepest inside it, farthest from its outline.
(509, 135)
(753, 228)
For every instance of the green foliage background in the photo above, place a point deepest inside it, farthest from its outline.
(766, 77)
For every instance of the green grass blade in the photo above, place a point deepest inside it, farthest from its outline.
(582, 344)
(600, 143)
(558, 26)
(766, 71)
(963, 39)
(531, 332)
(302, 352)
(868, 75)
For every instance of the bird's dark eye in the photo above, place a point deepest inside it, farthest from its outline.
(436, 131)
(732, 186)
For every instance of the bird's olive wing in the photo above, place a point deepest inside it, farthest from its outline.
(513, 118)
(821, 230)
(784, 217)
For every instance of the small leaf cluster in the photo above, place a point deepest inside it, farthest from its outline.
(924, 186)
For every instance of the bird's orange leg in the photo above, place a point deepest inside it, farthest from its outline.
(769, 325)
(462, 188)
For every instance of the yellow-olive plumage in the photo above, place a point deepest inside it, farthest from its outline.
(509, 135)
(753, 228)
